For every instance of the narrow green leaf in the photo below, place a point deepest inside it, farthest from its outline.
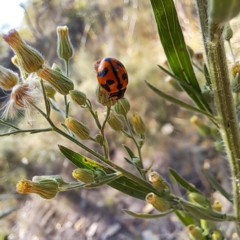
(128, 161)
(217, 186)
(183, 83)
(178, 102)
(130, 153)
(207, 76)
(123, 184)
(175, 48)
(185, 218)
(144, 215)
(186, 185)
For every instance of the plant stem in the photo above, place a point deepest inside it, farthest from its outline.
(225, 109)
(137, 146)
(98, 156)
(65, 97)
(105, 143)
(226, 112)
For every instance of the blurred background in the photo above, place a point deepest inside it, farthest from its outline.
(124, 29)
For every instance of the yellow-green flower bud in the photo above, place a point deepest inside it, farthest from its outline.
(83, 175)
(217, 235)
(56, 178)
(50, 92)
(235, 85)
(99, 139)
(228, 32)
(174, 83)
(115, 122)
(158, 182)
(77, 128)
(224, 10)
(217, 206)
(78, 97)
(8, 78)
(195, 197)
(64, 48)
(46, 188)
(194, 232)
(28, 58)
(203, 129)
(103, 97)
(56, 68)
(59, 82)
(207, 226)
(158, 203)
(138, 124)
(24, 74)
(122, 107)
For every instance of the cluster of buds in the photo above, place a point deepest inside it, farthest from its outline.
(27, 92)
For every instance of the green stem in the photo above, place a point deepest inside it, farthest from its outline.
(8, 124)
(230, 46)
(65, 97)
(137, 146)
(89, 107)
(226, 111)
(105, 143)
(31, 131)
(98, 156)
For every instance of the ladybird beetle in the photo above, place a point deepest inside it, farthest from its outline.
(112, 76)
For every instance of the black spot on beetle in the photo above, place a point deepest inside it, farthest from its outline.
(118, 95)
(110, 82)
(124, 76)
(103, 73)
(119, 64)
(119, 86)
(106, 87)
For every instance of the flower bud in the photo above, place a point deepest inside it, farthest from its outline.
(56, 68)
(77, 128)
(59, 82)
(194, 232)
(8, 78)
(122, 107)
(203, 129)
(158, 203)
(195, 197)
(65, 48)
(28, 58)
(50, 92)
(103, 97)
(24, 74)
(78, 97)
(114, 122)
(174, 83)
(223, 12)
(158, 182)
(138, 124)
(207, 226)
(57, 178)
(46, 188)
(235, 85)
(228, 32)
(83, 175)
(217, 235)
(99, 139)
(217, 206)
